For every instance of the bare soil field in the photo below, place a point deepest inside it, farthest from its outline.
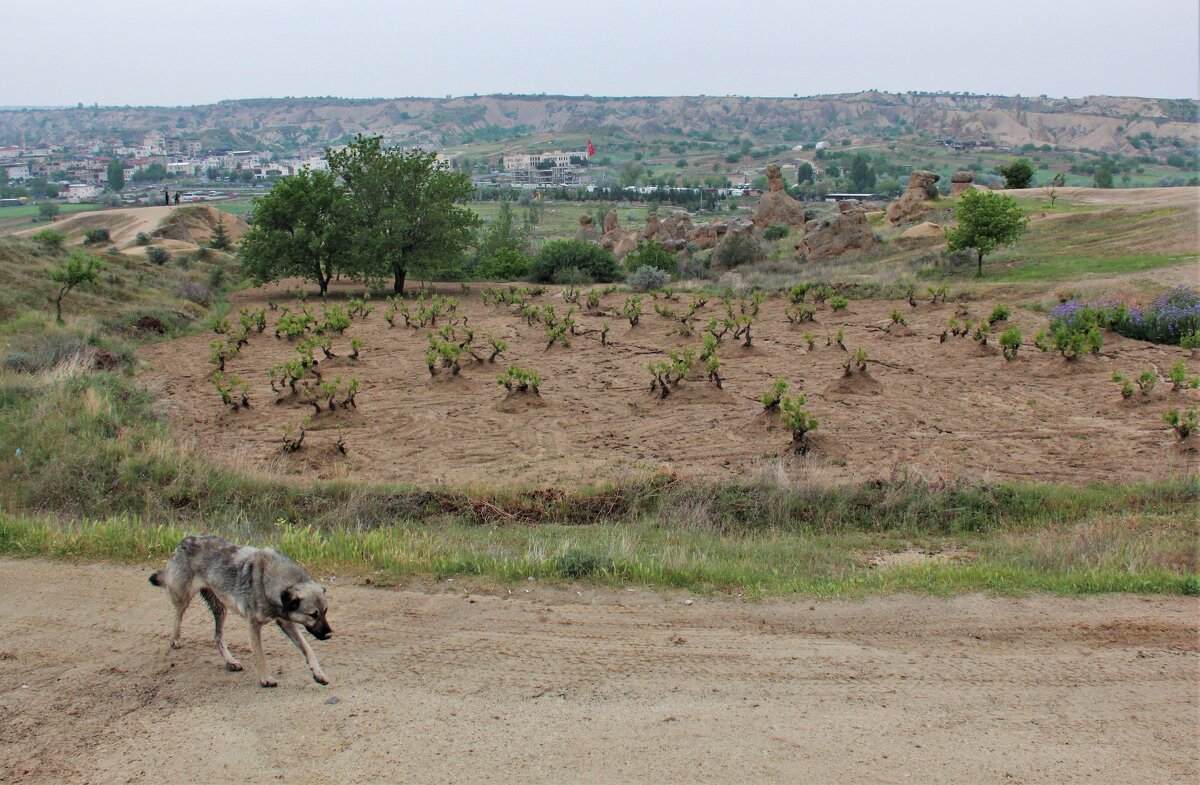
(946, 410)
(598, 685)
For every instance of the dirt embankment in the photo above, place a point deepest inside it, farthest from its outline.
(597, 685)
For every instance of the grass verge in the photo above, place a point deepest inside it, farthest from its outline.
(1106, 554)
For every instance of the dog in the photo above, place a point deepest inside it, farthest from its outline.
(261, 585)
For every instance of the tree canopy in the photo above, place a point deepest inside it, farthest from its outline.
(1018, 173)
(301, 227)
(406, 211)
(116, 174)
(78, 268)
(986, 221)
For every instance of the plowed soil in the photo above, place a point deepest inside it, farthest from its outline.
(946, 410)
(592, 685)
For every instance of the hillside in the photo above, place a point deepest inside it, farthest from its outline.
(1101, 123)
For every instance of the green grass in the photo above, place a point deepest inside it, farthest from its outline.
(1115, 556)
(28, 211)
(1067, 267)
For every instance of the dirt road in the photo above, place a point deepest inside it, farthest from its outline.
(599, 686)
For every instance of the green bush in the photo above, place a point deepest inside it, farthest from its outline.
(647, 279)
(595, 262)
(571, 276)
(651, 254)
(156, 255)
(582, 562)
(99, 235)
(775, 232)
(49, 239)
(505, 264)
(737, 249)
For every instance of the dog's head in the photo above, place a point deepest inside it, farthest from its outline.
(305, 604)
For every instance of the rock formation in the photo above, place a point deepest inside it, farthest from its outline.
(848, 231)
(960, 181)
(587, 229)
(910, 207)
(921, 235)
(610, 221)
(775, 206)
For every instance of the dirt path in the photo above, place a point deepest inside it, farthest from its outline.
(599, 686)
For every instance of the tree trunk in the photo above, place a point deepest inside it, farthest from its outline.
(980, 273)
(398, 286)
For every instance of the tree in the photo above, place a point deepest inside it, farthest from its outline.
(302, 227)
(651, 254)
(407, 211)
(1103, 176)
(804, 173)
(116, 174)
(504, 233)
(49, 210)
(150, 174)
(1018, 174)
(49, 240)
(986, 221)
(78, 268)
(862, 177)
(220, 237)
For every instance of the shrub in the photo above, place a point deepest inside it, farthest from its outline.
(156, 255)
(1126, 385)
(999, 314)
(142, 238)
(1179, 378)
(520, 380)
(571, 276)
(98, 235)
(838, 303)
(798, 420)
(668, 375)
(1167, 319)
(775, 232)
(651, 254)
(1010, 342)
(596, 263)
(49, 239)
(506, 264)
(582, 562)
(1183, 424)
(632, 310)
(647, 279)
(736, 250)
(770, 399)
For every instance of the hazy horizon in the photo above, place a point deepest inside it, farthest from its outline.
(153, 54)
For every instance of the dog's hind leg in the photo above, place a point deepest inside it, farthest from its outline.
(260, 659)
(181, 602)
(218, 611)
(295, 636)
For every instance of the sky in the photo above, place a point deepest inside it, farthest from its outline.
(175, 53)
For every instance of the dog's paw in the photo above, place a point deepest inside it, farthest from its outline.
(233, 666)
(267, 683)
(320, 678)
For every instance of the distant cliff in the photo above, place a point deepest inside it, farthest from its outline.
(1101, 123)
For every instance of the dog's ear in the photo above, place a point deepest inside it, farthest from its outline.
(289, 601)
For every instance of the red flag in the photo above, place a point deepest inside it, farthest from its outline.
(591, 149)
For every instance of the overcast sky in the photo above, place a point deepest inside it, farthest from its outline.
(170, 52)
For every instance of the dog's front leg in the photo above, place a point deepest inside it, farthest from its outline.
(293, 632)
(260, 660)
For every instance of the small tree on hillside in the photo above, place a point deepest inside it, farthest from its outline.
(220, 238)
(49, 210)
(79, 267)
(986, 221)
(1018, 174)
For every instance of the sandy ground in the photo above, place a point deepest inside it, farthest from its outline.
(947, 410)
(597, 685)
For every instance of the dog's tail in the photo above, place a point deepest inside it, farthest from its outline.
(156, 578)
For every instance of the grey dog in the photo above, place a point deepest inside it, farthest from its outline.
(261, 585)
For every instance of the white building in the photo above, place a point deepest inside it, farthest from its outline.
(77, 192)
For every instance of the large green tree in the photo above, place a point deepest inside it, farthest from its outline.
(986, 221)
(1017, 174)
(301, 227)
(407, 211)
(116, 174)
(862, 176)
